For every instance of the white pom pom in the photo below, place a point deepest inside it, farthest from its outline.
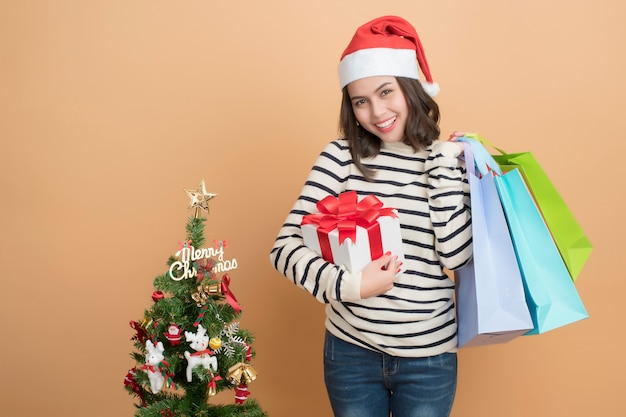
(432, 89)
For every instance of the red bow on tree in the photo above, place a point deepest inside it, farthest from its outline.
(205, 269)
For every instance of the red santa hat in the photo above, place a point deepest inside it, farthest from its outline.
(386, 46)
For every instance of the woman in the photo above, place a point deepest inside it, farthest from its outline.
(391, 337)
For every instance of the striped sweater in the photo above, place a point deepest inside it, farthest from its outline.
(429, 189)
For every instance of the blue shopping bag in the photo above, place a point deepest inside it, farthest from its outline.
(550, 292)
(490, 301)
(567, 233)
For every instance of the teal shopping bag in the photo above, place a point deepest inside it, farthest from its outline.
(490, 300)
(552, 298)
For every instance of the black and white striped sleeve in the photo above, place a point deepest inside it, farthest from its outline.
(449, 205)
(292, 258)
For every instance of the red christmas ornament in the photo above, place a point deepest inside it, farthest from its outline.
(241, 393)
(173, 334)
(131, 382)
(157, 295)
(248, 353)
(141, 334)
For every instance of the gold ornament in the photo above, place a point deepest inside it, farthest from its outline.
(249, 374)
(145, 323)
(234, 374)
(201, 297)
(241, 373)
(215, 343)
(200, 198)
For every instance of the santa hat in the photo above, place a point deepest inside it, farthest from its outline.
(386, 46)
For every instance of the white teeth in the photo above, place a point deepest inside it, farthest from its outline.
(386, 124)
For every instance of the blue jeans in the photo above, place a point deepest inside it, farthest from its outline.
(364, 383)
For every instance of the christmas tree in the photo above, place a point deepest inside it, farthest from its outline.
(188, 344)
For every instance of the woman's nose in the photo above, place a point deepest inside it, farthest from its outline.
(377, 108)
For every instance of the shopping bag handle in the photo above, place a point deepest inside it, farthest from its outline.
(477, 137)
(468, 155)
(481, 159)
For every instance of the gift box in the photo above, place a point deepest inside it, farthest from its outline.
(353, 233)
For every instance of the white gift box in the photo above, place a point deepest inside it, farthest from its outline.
(356, 255)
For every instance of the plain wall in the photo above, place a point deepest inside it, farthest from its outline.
(110, 109)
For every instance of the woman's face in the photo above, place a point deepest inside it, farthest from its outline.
(380, 107)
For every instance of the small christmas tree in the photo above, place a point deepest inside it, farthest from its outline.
(188, 344)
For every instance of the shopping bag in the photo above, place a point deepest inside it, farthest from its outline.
(490, 300)
(570, 239)
(550, 292)
(568, 235)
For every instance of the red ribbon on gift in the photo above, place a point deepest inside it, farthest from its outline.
(345, 213)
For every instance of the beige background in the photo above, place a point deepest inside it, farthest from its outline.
(109, 109)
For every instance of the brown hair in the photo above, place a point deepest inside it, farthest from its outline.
(422, 127)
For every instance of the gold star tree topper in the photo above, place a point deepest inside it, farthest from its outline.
(200, 198)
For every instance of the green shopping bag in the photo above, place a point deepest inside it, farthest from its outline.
(567, 233)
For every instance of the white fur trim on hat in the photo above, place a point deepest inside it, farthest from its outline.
(378, 62)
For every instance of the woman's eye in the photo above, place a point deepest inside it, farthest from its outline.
(359, 102)
(385, 92)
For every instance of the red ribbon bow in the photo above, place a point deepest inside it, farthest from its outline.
(345, 213)
(205, 269)
(212, 382)
(156, 368)
(131, 382)
(228, 294)
(202, 352)
(141, 334)
(150, 368)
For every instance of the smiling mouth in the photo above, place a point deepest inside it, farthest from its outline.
(386, 123)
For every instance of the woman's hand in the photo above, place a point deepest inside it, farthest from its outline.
(378, 276)
(453, 138)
